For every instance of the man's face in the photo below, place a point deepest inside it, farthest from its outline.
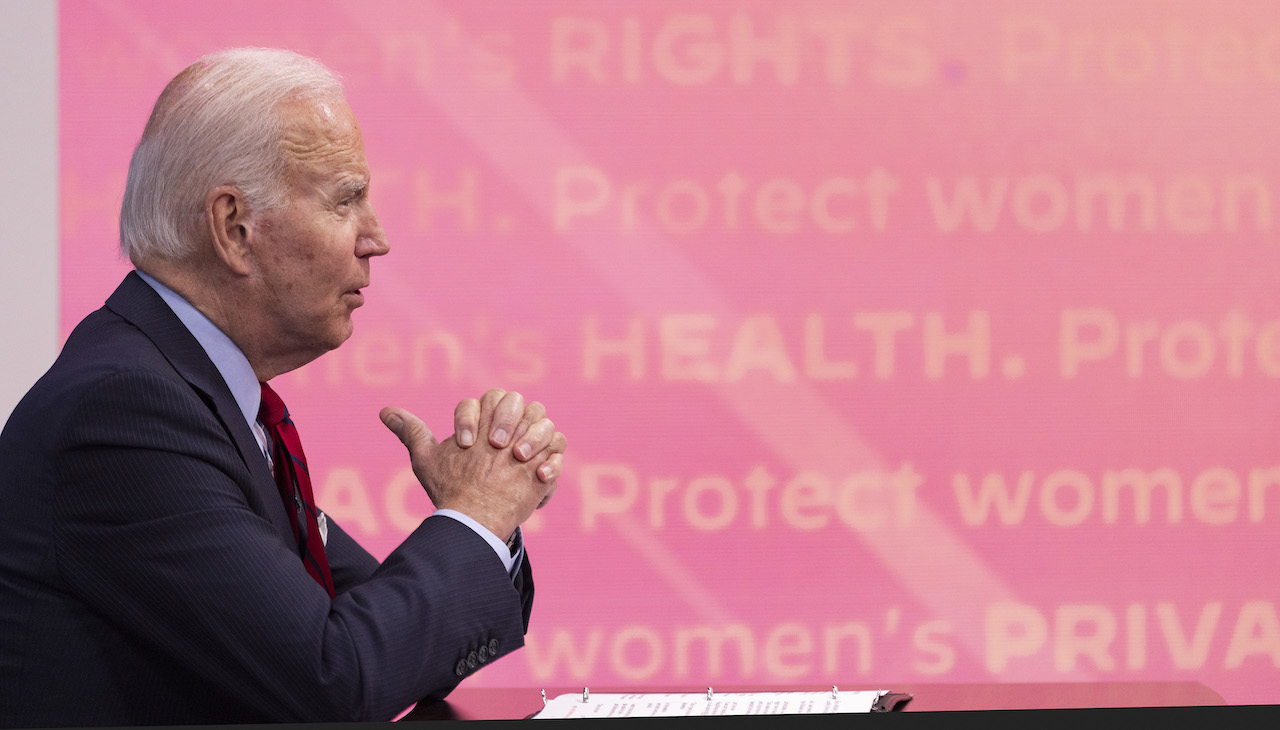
(313, 252)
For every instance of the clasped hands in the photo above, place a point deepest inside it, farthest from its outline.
(500, 464)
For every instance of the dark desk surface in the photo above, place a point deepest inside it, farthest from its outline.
(489, 703)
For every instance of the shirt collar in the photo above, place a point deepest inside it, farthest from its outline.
(227, 358)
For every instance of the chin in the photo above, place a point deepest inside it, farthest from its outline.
(342, 335)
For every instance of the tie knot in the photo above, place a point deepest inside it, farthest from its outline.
(272, 411)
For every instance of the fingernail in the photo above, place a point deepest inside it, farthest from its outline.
(466, 438)
(499, 437)
(393, 422)
(544, 472)
(522, 451)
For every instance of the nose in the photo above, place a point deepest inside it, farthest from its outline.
(372, 240)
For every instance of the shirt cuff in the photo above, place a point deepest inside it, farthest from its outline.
(509, 560)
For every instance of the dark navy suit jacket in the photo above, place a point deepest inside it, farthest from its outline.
(148, 574)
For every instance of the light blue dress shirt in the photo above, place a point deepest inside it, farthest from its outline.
(247, 391)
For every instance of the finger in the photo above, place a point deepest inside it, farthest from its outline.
(533, 412)
(466, 421)
(559, 442)
(551, 490)
(410, 429)
(488, 403)
(549, 471)
(505, 417)
(549, 462)
(534, 439)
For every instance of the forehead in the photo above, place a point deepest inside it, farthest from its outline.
(322, 135)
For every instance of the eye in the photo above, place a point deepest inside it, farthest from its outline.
(353, 195)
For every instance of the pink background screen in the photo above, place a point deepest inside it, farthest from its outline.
(894, 341)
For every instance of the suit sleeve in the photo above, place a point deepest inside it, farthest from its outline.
(349, 563)
(155, 532)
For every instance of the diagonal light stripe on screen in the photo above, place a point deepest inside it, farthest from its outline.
(944, 574)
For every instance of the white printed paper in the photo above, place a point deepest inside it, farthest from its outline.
(706, 704)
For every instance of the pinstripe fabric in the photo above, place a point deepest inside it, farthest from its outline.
(148, 573)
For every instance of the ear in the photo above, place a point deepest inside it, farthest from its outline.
(230, 228)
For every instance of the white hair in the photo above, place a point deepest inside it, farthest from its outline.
(216, 123)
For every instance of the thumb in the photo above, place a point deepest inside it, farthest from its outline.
(410, 429)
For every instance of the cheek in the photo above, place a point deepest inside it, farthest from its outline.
(309, 264)
(286, 273)
(295, 263)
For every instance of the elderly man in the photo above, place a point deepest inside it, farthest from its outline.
(161, 556)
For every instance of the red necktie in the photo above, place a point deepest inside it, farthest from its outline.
(294, 483)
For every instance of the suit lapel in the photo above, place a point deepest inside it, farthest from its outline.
(137, 302)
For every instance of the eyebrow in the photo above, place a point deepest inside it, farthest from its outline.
(352, 188)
